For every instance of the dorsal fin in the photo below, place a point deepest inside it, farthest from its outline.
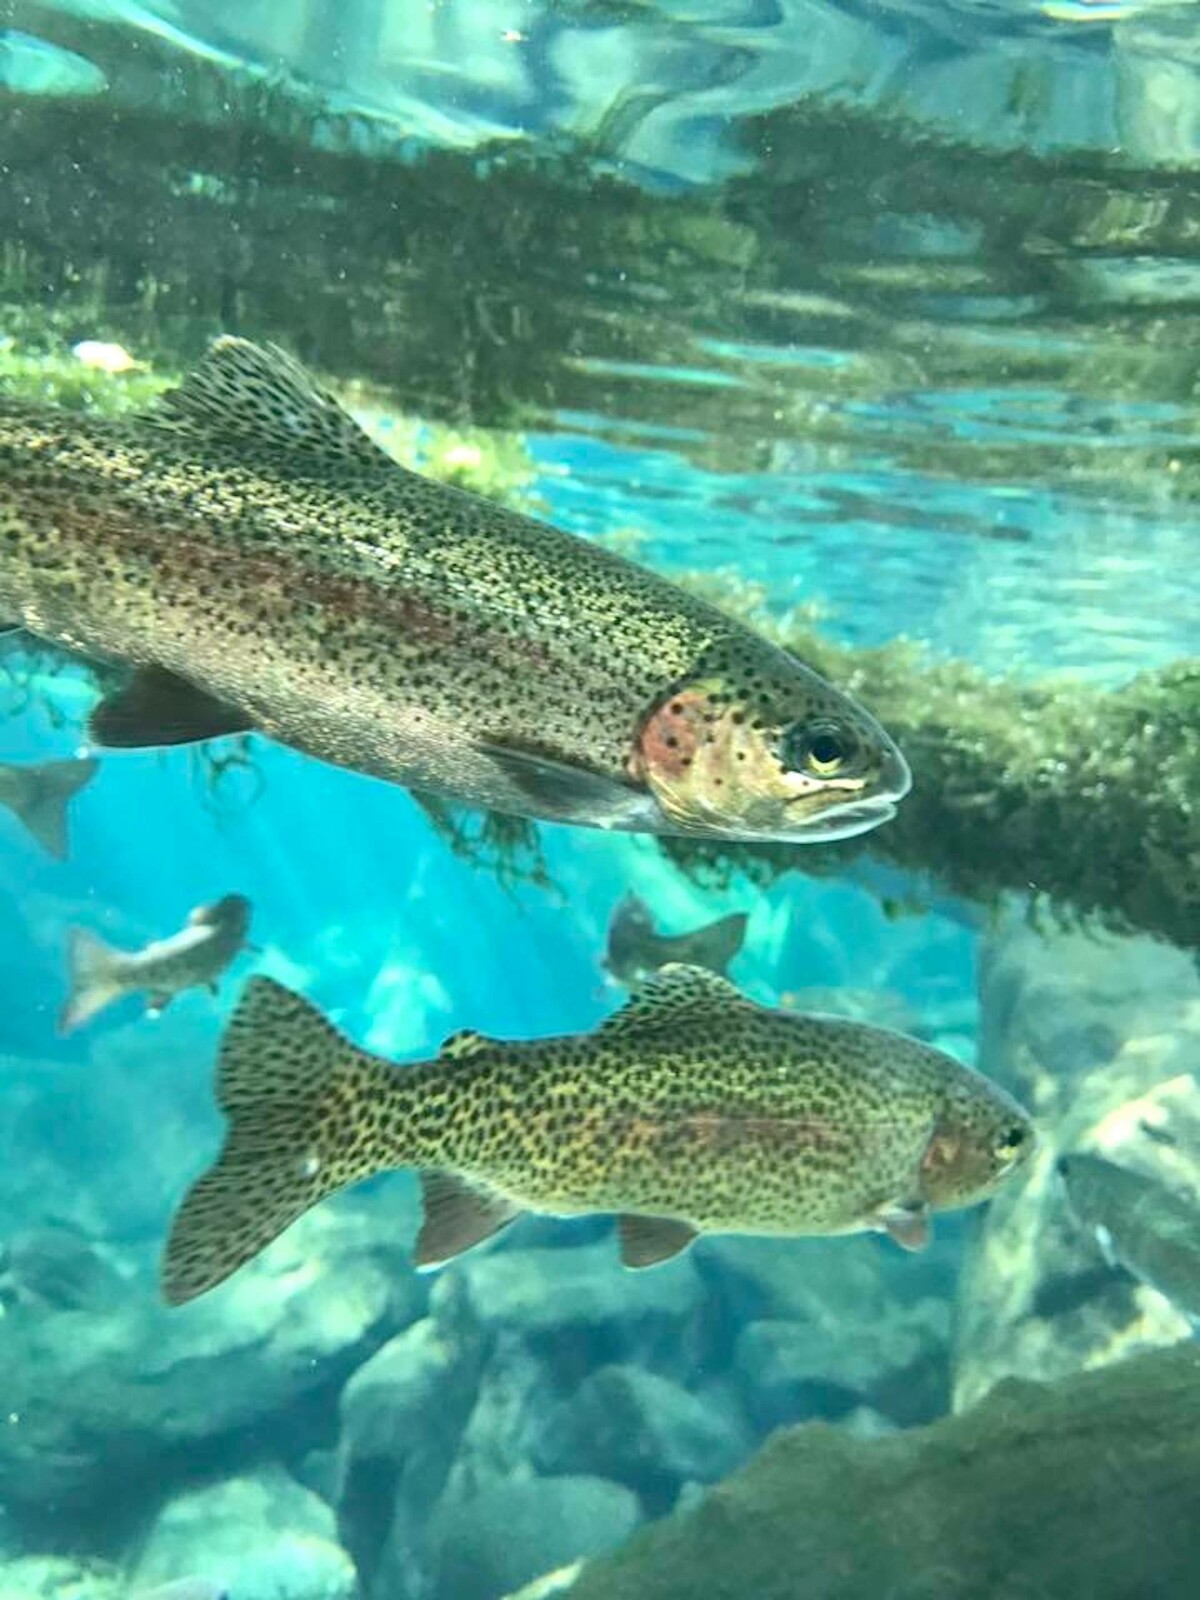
(466, 1042)
(673, 993)
(258, 395)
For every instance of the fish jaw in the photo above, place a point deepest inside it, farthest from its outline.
(720, 766)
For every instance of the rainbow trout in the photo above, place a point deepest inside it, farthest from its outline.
(1141, 1222)
(635, 948)
(692, 1110)
(194, 957)
(262, 566)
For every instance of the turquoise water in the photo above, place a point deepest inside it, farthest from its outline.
(895, 338)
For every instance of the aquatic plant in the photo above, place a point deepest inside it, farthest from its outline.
(509, 847)
(1055, 791)
(37, 363)
(516, 279)
(1007, 1494)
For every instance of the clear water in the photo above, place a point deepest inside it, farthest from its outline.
(901, 334)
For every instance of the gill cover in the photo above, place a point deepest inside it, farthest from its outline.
(784, 756)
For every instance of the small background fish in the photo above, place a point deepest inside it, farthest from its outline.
(196, 956)
(636, 948)
(1141, 1222)
(39, 795)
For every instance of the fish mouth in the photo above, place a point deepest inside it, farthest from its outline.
(861, 815)
(846, 821)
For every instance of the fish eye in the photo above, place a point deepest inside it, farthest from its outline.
(1009, 1144)
(821, 748)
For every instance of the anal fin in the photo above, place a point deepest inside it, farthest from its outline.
(645, 1241)
(157, 708)
(457, 1217)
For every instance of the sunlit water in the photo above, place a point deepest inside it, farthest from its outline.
(901, 333)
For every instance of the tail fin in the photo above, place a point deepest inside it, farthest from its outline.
(94, 977)
(308, 1113)
(42, 797)
(723, 939)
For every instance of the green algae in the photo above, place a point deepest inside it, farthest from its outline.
(37, 364)
(1061, 793)
(1031, 1493)
(509, 282)
(508, 847)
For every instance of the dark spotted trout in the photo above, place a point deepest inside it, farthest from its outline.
(259, 564)
(692, 1110)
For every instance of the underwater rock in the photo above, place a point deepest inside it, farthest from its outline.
(513, 1532)
(111, 1404)
(493, 1448)
(791, 1371)
(1031, 1493)
(575, 1307)
(642, 1430)
(497, 1442)
(56, 1267)
(834, 1305)
(402, 1417)
(263, 1537)
(1099, 1036)
(828, 1282)
(57, 1578)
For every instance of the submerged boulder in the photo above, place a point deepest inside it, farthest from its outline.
(402, 1418)
(1082, 1487)
(262, 1537)
(792, 1371)
(57, 1578)
(501, 1538)
(1099, 1036)
(575, 1307)
(106, 1403)
(644, 1431)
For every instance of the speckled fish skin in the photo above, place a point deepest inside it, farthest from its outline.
(250, 540)
(692, 1109)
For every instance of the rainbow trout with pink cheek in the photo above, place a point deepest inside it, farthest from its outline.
(261, 565)
(691, 1110)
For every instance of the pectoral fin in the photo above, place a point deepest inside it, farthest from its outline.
(572, 794)
(645, 1241)
(157, 708)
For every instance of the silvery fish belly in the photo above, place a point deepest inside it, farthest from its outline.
(691, 1110)
(261, 565)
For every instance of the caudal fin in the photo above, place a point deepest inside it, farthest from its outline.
(308, 1114)
(94, 977)
(40, 797)
(722, 940)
